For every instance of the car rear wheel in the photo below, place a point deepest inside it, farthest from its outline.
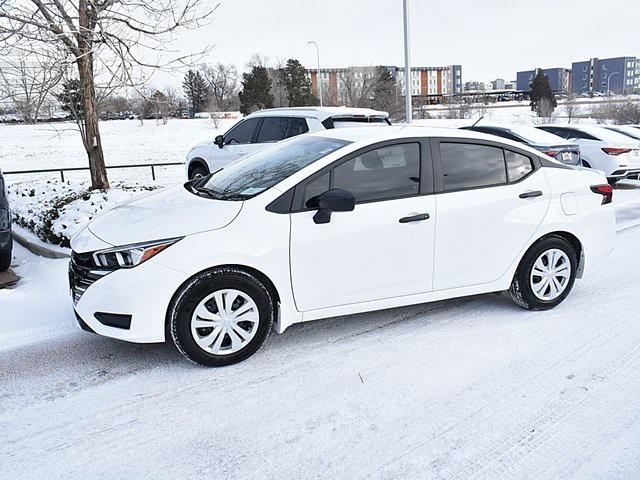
(221, 317)
(5, 256)
(545, 275)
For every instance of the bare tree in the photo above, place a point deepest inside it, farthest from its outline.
(28, 85)
(357, 85)
(223, 82)
(117, 35)
(571, 107)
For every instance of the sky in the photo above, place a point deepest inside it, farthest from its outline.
(489, 38)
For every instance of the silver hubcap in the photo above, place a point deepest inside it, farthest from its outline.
(225, 322)
(550, 274)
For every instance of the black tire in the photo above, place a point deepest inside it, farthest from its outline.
(521, 291)
(6, 255)
(197, 289)
(198, 171)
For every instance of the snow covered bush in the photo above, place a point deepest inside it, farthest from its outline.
(56, 211)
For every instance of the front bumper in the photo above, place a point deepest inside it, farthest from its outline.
(127, 304)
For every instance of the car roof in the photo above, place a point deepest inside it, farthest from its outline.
(522, 131)
(321, 113)
(597, 131)
(398, 132)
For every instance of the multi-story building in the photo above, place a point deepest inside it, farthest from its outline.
(474, 86)
(615, 75)
(498, 84)
(339, 83)
(559, 79)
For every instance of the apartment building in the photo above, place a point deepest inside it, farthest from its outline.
(559, 79)
(338, 83)
(615, 75)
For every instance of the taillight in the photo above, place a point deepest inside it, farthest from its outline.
(551, 153)
(605, 190)
(616, 151)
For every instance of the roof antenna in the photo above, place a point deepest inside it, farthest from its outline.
(478, 121)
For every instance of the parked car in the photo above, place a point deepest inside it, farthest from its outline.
(6, 242)
(549, 144)
(262, 128)
(615, 154)
(628, 130)
(336, 223)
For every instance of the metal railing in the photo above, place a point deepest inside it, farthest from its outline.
(78, 169)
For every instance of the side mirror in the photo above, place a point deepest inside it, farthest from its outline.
(334, 200)
(219, 141)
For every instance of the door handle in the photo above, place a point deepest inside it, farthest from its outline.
(532, 194)
(415, 218)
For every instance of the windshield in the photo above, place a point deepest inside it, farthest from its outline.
(262, 170)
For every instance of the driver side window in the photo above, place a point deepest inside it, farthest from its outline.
(242, 132)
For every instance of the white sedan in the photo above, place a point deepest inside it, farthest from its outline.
(614, 153)
(335, 223)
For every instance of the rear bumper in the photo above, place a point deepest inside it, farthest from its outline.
(625, 173)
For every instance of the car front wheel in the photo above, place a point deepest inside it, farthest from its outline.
(221, 317)
(545, 275)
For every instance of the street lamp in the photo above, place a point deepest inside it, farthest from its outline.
(407, 64)
(609, 82)
(319, 74)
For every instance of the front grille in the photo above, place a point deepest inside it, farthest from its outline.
(81, 276)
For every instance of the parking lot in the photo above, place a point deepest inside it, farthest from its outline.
(466, 388)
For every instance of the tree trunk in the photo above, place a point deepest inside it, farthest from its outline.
(92, 142)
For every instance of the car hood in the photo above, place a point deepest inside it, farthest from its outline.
(168, 213)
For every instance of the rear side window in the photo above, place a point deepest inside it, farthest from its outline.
(242, 132)
(380, 174)
(469, 166)
(518, 166)
(273, 129)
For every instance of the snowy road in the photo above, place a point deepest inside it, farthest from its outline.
(468, 388)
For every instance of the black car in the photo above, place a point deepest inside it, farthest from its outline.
(6, 243)
(545, 142)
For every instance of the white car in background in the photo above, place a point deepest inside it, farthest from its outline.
(615, 154)
(631, 131)
(263, 128)
(337, 223)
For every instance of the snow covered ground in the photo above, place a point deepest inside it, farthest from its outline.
(459, 389)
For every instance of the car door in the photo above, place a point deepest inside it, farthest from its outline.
(383, 248)
(490, 201)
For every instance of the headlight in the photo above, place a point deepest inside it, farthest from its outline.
(130, 256)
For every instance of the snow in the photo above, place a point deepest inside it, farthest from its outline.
(466, 388)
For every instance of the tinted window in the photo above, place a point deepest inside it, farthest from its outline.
(518, 166)
(467, 166)
(316, 187)
(259, 171)
(273, 129)
(383, 173)
(298, 127)
(243, 132)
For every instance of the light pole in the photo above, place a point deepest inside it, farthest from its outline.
(319, 74)
(609, 82)
(407, 63)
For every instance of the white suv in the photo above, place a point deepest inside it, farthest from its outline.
(265, 127)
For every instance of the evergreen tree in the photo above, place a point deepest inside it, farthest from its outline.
(385, 91)
(196, 90)
(71, 99)
(543, 101)
(297, 85)
(256, 90)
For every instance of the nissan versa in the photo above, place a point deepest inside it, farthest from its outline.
(334, 223)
